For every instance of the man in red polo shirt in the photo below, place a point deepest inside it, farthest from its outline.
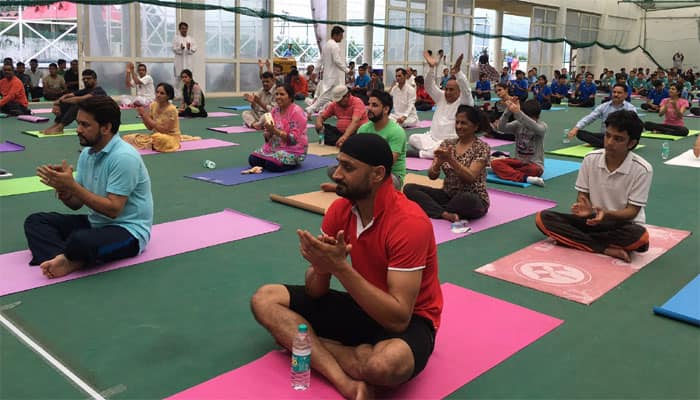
(14, 98)
(350, 113)
(381, 330)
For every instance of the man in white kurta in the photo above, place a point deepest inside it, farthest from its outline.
(457, 92)
(333, 70)
(404, 97)
(184, 48)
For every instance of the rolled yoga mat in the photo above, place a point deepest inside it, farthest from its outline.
(167, 239)
(505, 207)
(477, 332)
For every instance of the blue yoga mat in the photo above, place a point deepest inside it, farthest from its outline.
(233, 176)
(556, 108)
(239, 108)
(684, 305)
(552, 169)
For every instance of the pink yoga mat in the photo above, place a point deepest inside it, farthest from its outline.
(477, 333)
(422, 124)
(167, 239)
(505, 207)
(195, 145)
(418, 164)
(232, 129)
(32, 118)
(494, 142)
(41, 111)
(219, 114)
(577, 275)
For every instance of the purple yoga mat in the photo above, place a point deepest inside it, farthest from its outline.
(232, 129)
(167, 239)
(32, 118)
(418, 164)
(494, 142)
(195, 145)
(8, 146)
(505, 207)
(233, 176)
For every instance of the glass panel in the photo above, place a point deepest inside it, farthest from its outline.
(161, 72)
(110, 76)
(378, 36)
(551, 17)
(250, 81)
(221, 32)
(416, 41)
(109, 31)
(397, 37)
(448, 6)
(418, 4)
(460, 44)
(10, 44)
(47, 32)
(538, 15)
(397, 3)
(546, 57)
(254, 32)
(221, 78)
(464, 7)
(447, 40)
(572, 19)
(594, 21)
(157, 30)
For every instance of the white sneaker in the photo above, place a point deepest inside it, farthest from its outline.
(535, 180)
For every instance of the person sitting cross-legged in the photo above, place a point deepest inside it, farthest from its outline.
(613, 186)
(672, 109)
(350, 113)
(261, 102)
(654, 97)
(463, 161)
(585, 94)
(404, 97)
(111, 181)
(380, 330)
(528, 163)
(13, 97)
(66, 107)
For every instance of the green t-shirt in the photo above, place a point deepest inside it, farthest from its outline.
(394, 134)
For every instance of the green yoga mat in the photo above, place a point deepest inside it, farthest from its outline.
(651, 135)
(29, 184)
(72, 132)
(579, 151)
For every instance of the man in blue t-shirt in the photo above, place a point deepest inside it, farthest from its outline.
(585, 96)
(655, 96)
(520, 86)
(112, 182)
(483, 88)
(560, 89)
(543, 93)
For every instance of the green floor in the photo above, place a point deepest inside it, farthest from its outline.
(164, 326)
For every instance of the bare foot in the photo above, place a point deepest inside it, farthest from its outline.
(53, 130)
(618, 253)
(254, 170)
(59, 266)
(452, 217)
(328, 187)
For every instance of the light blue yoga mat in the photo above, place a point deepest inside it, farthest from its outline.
(556, 109)
(552, 169)
(239, 108)
(684, 305)
(233, 176)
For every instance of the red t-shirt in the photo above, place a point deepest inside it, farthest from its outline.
(422, 94)
(400, 237)
(300, 86)
(356, 108)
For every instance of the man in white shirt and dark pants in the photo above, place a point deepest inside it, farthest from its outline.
(333, 70)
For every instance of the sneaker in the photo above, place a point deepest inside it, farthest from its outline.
(535, 180)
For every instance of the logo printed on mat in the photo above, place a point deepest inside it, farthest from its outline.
(552, 273)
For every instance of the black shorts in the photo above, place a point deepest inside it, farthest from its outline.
(336, 316)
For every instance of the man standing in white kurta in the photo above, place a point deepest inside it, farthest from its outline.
(333, 70)
(184, 48)
(457, 92)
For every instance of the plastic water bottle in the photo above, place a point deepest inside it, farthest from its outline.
(209, 164)
(321, 137)
(565, 138)
(301, 359)
(665, 150)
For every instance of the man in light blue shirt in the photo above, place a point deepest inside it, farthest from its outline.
(112, 182)
(616, 103)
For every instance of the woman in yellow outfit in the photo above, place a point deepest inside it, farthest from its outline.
(163, 120)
